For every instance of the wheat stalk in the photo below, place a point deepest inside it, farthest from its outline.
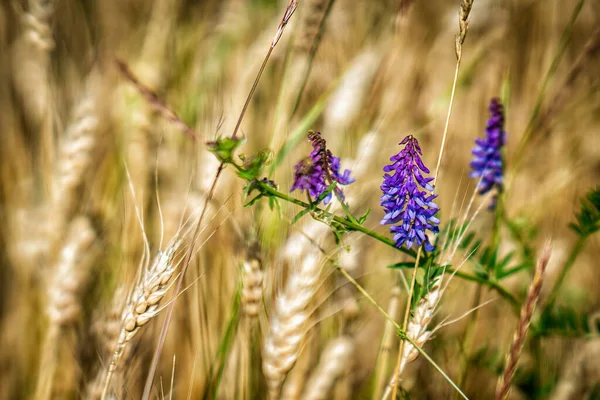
(63, 309)
(288, 321)
(533, 295)
(143, 304)
(335, 360)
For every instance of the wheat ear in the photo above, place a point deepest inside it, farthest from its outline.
(417, 330)
(533, 295)
(334, 362)
(63, 308)
(75, 157)
(252, 286)
(288, 322)
(143, 304)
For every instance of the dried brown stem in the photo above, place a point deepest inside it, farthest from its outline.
(533, 295)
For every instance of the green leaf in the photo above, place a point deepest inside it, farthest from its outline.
(254, 200)
(361, 220)
(402, 265)
(588, 218)
(326, 192)
(300, 215)
(253, 166)
(508, 272)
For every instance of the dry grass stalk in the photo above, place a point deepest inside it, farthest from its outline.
(533, 295)
(417, 330)
(335, 360)
(590, 50)
(144, 302)
(155, 102)
(387, 342)
(68, 280)
(288, 322)
(310, 23)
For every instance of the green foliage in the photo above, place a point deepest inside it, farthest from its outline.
(224, 147)
(564, 320)
(588, 218)
(253, 166)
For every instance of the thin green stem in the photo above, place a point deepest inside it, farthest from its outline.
(399, 329)
(565, 270)
(342, 221)
(468, 337)
(348, 224)
(492, 284)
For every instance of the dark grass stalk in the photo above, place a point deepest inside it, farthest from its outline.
(289, 11)
(532, 125)
(564, 272)
(311, 56)
(591, 49)
(533, 295)
(155, 102)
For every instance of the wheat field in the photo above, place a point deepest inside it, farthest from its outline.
(166, 234)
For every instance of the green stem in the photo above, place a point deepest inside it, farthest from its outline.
(266, 189)
(399, 329)
(492, 284)
(342, 221)
(565, 270)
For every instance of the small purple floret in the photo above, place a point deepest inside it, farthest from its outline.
(317, 171)
(487, 164)
(411, 209)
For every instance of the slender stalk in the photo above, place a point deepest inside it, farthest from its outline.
(512, 358)
(532, 124)
(406, 315)
(563, 273)
(254, 85)
(401, 333)
(467, 342)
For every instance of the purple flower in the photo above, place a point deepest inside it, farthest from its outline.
(405, 204)
(487, 164)
(320, 169)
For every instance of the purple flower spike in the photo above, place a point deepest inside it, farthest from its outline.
(487, 164)
(317, 171)
(405, 204)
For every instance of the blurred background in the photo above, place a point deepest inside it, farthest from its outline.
(94, 182)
